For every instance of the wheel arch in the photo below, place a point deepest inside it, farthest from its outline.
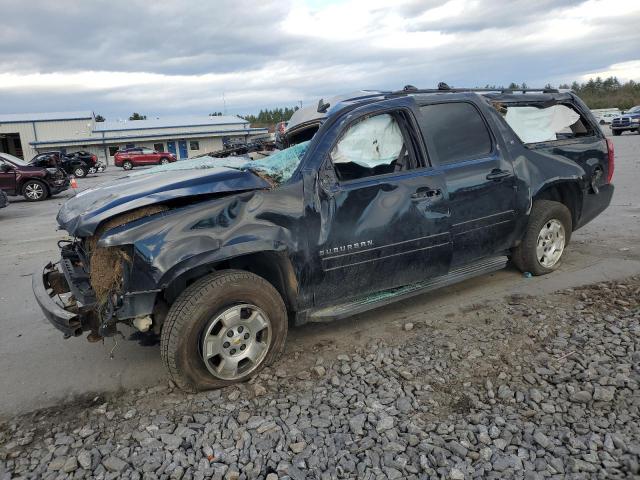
(272, 265)
(24, 181)
(568, 193)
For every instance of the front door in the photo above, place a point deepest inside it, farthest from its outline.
(182, 146)
(384, 219)
(171, 147)
(479, 179)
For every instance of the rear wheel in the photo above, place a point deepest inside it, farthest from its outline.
(223, 329)
(34, 191)
(127, 165)
(92, 170)
(548, 232)
(79, 172)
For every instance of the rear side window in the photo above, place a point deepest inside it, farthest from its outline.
(456, 130)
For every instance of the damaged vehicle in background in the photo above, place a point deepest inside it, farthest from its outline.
(379, 196)
(35, 183)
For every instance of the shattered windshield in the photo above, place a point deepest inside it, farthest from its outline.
(277, 168)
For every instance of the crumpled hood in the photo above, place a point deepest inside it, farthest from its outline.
(81, 215)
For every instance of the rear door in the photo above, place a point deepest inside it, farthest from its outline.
(7, 177)
(383, 219)
(479, 178)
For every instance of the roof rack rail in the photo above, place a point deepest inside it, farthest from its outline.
(444, 88)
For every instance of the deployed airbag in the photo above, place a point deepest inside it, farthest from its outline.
(369, 143)
(533, 124)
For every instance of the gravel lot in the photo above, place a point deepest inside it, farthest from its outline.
(531, 387)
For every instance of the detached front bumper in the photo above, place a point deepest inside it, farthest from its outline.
(46, 284)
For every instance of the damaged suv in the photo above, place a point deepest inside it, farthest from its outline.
(378, 196)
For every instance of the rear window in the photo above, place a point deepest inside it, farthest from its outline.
(456, 130)
(557, 122)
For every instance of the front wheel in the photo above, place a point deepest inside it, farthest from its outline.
(223, 329)
(34, 191)
(548, 232)
(164, 161)
(92, 170)
(127, 165)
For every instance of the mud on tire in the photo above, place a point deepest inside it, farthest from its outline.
(193, 310)
(524, 256)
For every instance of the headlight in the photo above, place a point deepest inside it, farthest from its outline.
(635, 120)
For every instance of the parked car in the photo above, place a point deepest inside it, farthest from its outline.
(18, 177)
(4, 199)
(378, 198)
(91, 161)
(137, 157)
(604, 116)
(71, 164)
(628, 121)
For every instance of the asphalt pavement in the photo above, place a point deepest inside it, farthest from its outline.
(39, 368)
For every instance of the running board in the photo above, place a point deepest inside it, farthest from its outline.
(387, 297)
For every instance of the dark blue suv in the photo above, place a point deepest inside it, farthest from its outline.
(628, 121)
(377, 197)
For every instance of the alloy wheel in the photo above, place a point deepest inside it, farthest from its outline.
(34, 191)
(236, 341)
(550, 245)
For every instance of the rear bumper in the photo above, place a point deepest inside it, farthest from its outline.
(64, 320)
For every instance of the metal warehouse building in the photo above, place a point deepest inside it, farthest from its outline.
(25, 135)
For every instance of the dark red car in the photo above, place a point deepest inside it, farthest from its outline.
(17, 177)
(137, 157)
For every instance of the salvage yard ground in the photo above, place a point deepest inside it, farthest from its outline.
(477, 331)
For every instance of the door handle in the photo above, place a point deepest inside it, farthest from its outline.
(497, 174)
(431, 193)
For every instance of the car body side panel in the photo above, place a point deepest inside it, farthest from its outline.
(169, 245)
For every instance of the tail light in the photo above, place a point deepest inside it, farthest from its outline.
(611, 158)
(94, 158)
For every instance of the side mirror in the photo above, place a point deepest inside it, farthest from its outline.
(4, 168)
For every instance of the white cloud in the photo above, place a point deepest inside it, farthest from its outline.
(181, 58)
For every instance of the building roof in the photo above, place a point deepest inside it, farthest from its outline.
(168, 122)
(44, 117)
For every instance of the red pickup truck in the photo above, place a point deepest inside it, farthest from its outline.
(136, 157)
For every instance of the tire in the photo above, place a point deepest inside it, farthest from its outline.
(92, 170)
(34, 191)
(543, 218)
(79, 172)
(602, 122)
(164, 161)
(617, 133)
(198, 310)
(127, 165)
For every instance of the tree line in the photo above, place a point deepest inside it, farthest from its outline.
(599, 93)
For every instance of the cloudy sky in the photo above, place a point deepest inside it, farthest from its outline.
(180, 57)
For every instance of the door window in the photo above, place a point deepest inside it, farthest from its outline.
(158, 147)
(371, 146)
(457, 131)
(147, 151)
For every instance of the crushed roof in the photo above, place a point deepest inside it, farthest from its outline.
(168, 122)
(43, 117)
